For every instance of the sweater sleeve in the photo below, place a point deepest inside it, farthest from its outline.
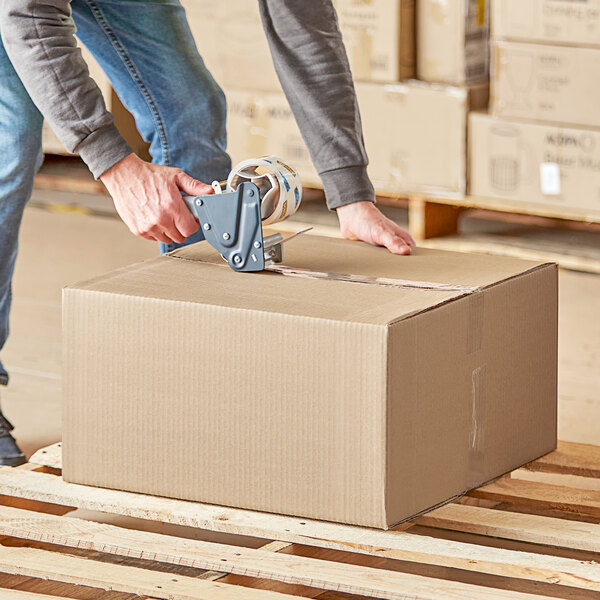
(311, 62)
(38, 36)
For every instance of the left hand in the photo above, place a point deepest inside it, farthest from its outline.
(364, 221)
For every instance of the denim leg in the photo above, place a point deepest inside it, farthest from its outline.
(148, 52)
(21, 157)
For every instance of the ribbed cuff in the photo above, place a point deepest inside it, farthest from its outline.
(347, 185)
(103, 149)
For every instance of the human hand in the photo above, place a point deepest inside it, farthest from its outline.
(364, 221)
(148, 199)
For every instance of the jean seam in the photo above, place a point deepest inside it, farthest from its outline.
(135, 75)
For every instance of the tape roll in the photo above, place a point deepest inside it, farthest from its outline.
(279, 185)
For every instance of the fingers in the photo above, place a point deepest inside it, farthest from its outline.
(183, 220)
(408, 239)
(393, 242)
(191, 186)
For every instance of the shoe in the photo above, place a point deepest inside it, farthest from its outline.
(10, 453)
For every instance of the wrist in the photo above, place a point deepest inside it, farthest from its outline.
(119, 166)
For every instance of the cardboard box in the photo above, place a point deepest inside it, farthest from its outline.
(548, 21)
(379, 36)
(534, 163)
(452, 41)
(416, 135)
(260, 124)
(360, 403)
(231, 40)
(546, 83)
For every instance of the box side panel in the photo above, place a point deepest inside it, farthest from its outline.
(472, 391)
(248, 409)
(546, 83)
(415, 137)
(452, 40)
(548, 21)
(535, 163)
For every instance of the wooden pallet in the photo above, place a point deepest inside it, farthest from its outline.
(530, 535)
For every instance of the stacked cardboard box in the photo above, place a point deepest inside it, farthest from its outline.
(452, 41)
(415, 132)
(541, 142)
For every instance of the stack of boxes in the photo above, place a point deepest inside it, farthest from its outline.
(415, 131)
(541, 143)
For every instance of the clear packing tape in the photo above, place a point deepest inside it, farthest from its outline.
(279, 186)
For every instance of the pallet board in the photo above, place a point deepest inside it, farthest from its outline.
(421, 560)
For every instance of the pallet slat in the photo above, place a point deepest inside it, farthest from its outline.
(352, 579)
(6, 594)
(540, 495)
(569, 459)
(44, 564)
(366, 581)
(535, 529)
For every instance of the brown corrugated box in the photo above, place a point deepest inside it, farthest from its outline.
(362, 403)
(231, 40)
(534, 163)
(262, 123)
(547, 21)
(416, 135)
(546, 83)
(452, 41)
(379, 36)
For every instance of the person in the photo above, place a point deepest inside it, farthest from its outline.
(147, 51)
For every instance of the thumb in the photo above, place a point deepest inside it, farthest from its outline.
(193, 187)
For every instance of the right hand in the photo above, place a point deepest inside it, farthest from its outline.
(148, 199)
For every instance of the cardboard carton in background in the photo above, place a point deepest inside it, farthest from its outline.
(547, 21)
(262, 123)
(362, 404)
(416, 135)
(378, 35)
(379, 38)
(534, 163)
(452, 41)
(546, 83)
(231, 40)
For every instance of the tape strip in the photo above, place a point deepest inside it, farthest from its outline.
(475, 322)
(476, 472)
(365, 279)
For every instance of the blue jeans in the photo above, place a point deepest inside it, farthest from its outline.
(148, 52)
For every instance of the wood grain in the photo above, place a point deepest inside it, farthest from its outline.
(548, 531)
(77, 533)
(41, 563)
(541, 495)
(570, 459)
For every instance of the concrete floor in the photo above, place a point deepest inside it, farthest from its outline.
(59, 248)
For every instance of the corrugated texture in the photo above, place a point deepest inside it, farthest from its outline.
(472, 391)
(249, 409)
(325, 399)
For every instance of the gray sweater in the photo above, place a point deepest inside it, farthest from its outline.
(308, 54)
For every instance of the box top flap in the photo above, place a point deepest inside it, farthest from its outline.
(391, 287)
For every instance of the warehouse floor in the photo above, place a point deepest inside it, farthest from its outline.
(58, 248)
